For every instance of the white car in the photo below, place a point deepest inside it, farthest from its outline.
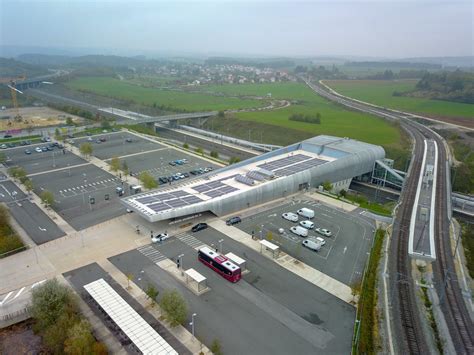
(324, 232)
(320, 240)
(307, 224)
(290, 216)
(89, 139)
(159, 237)
(38, 150)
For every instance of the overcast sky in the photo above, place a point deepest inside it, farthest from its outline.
(378, 28)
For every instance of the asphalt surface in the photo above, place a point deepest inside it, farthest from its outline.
(345, 253)
(40, 228)
(41, 162)
(116, 145)
(92, 272)
(72, 189)
(269, 311)
(197, 142)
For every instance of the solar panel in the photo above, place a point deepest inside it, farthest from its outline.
(191, 199)
(158, 207)
(179, 193)
(255, 175)
(176, 203)
(245, 180)
(146, 200)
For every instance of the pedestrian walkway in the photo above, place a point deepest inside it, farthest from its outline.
(189, 240)
(321, 280)
(151, 253)
(97, 185)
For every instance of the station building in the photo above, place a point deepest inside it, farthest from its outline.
(261, 179)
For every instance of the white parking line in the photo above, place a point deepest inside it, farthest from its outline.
(6, 298)
(19, 293)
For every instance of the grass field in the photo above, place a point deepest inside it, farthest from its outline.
(380, 92)
(173, 100)
(334, 119)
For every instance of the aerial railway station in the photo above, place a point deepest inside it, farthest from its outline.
(261, 179)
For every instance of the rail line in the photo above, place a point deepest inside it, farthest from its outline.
(405, 311)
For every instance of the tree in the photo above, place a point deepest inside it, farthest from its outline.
(115, 164)
(152, 293)
(129, 278)
(216, 347)
(221, 114)
(343, 193)
(86, 149)
(199, 151)
(147, 180)
(124, 168)
(80, 339)
(174, 307)
(57, 134)
(3, 158)
(28, 185)
(186, 146)
(69, 121)
(104, 124)
(18, 172)
(49, 301)
(214, 154)
(234, 160)
(47, 198)
(327, 185)
(270, 236)
(56, 334)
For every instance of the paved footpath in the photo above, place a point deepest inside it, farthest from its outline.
(323, 281)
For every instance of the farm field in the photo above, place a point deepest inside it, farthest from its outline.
(172, 100)
(380, 92)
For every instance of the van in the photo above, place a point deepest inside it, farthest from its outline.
(306, 212)
(298, 230)
(136, 189)
(310, 244)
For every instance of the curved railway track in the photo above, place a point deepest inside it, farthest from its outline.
(405, 312)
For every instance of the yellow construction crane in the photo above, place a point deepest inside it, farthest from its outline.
(13, 92)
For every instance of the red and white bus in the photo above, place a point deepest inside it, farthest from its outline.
(220, 264)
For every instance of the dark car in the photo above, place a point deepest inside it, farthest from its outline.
(233, 220)
(28, 151)
(199, 227)
(128, 140)
(172, 163)
(163, 180)
(7, 136)
(193, 172)
(102, 139)
(186, 175)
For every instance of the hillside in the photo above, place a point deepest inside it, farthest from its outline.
(10, 68)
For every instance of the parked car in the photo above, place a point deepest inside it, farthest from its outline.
(306, 212)
(44, 149)
(307, 224)
(11, 145)
(186, 175)
(102, 139)
(128, 140)
(324, 232)
(7, 136)
(49, 148)
(89, 139)
(38, 149)
(163, 180)
(298, 230)
(312, 245)
(3, 146)
(172, 163)
(179, 162)
(28, 151)
(159, 237)
(98, 141)
(199, 227)
(233, 220)
(320, 240)
(290, 216)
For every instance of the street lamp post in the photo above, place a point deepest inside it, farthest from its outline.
(220, 245)
(192, 322)
(54, 162)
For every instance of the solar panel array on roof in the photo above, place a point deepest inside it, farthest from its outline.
(267, 173)
(245, 180)
(165, 201)
(161, 197)
(222, 191)
(255, 175)
(208, 186)
(290, 170)
(280, 163)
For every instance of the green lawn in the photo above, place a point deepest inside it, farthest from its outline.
(334, 119)
(172, 100)
(380, 92)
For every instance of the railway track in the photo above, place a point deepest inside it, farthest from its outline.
(405, 311)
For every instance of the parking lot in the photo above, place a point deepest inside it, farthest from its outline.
(116, 144)
(73, 190)
(268, 311)
(37, 162)
(343, 256)
(32, 219)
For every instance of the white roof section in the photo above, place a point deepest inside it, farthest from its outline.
(269, 245)
(196, 276)
(221, 259)
(145, 338)
(236, 259)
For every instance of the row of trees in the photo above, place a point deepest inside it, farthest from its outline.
(315, 119)
(55, 311)
(9, 240)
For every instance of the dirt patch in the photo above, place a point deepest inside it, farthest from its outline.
(34, 117)
(460, 121)
(20, 339)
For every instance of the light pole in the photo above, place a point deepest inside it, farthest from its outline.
(180, 258)
(192, 322)
(220, 245)
(54, 162)
(84, 188)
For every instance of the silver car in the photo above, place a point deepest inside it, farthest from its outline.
(293, 217)
(323, 231)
